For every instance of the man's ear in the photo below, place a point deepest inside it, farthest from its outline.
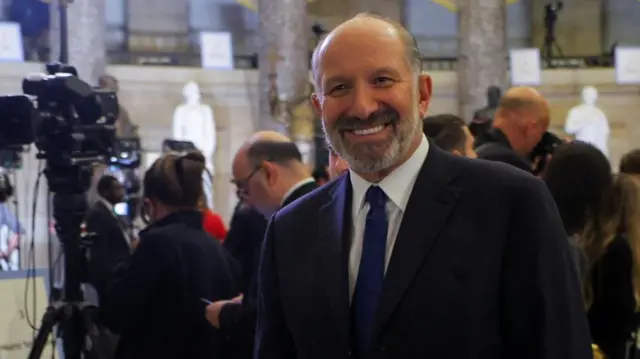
(316, 99)
(424, 94)
(270, 172)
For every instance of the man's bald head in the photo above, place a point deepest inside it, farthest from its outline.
(523, 116)
(364, 26)
(518, 99)
(269, 146)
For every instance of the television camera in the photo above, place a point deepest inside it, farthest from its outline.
(72, 126)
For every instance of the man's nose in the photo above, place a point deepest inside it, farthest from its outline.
(364, 102)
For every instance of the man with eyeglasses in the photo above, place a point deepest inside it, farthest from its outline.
(268, 174)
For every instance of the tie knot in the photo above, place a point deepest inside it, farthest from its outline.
(376, 197)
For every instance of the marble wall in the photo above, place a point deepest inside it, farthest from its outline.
(151, 94)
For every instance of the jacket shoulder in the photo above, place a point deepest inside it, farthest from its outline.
(309, 202)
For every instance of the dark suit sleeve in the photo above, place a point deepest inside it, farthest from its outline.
(135, 282)
(238, 320)
(273, 339)
(543, 311)
(107, 249)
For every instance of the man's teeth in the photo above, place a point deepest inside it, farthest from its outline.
(368, 131)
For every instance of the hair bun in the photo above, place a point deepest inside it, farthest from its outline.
(195, 156)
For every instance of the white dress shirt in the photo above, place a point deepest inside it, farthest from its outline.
(397, 186)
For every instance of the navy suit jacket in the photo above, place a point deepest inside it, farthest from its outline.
(481, 268)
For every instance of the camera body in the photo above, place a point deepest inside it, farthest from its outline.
(544, 149)
(69, 121)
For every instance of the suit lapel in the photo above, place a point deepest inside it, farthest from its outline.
(334, 232)
(432, 200)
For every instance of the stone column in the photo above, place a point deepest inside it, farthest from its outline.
(482, 59)
(284, 71)
(86, 38)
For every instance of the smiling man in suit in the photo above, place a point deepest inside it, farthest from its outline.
(415, 252)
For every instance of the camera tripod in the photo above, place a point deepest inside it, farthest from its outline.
(550, 44)
(549, 49)
(77, 320)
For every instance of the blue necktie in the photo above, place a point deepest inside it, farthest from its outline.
(371, 272)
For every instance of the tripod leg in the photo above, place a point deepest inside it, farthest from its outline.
(49, 321)
(555, 44)
(95, 348)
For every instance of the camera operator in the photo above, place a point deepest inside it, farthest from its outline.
(519, 124)
(156, 298)
(111, 240)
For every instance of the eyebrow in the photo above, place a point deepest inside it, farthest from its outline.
(334, 79)
(387, 70)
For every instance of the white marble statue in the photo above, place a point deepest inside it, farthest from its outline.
(588, 123)
(193, 121)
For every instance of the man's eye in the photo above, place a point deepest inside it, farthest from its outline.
(337, 88)
(381, 80)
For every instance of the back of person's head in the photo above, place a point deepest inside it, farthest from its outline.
(579, 179)
(174, 182)
(277, 152)
(450, 133)
(523, 116)
(105, 184)
(630, 163)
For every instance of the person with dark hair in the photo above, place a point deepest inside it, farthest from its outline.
(111, 240)
(579, 178)
(156, 298)
(600, 215)
(269, 174)
(450, 133)
(630, 163)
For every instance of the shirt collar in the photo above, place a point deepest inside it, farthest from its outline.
(295, 187)
(395, 185)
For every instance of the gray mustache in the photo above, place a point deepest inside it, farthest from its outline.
(377, 118)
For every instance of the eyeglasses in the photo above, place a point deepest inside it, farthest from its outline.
(242, 185)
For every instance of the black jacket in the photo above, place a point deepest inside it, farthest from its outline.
(612, 314)
(493, 145)
(246, 232)
(238, 320)
(154, 298)
(108, 245)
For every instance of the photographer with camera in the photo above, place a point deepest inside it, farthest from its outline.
(521, 121)
(156, 298)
